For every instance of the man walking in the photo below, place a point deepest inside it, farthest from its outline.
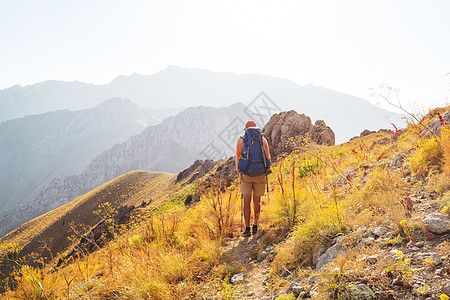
(252, 163)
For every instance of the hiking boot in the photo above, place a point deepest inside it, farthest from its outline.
(246, 232)
(254, 229)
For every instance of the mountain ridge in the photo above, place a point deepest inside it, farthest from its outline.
(176, 87)
(34, 149)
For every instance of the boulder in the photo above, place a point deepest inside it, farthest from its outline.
(361, 291)
(285, 126)
(318, 250)
(296, 288)
(380, 231)
(282, 294)
(238, 278)
(446, 288)
(437, 223)
(368, 241)
(313, 279)
(338, 248)
(196, 170)
(366, 132)
(373, 259)
(398, 280)
(262, 256)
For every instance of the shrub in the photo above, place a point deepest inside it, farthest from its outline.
(440, 182)
(219, 210)
(162, 228)
(428, 157)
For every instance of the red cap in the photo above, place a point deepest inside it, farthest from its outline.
(250, 124)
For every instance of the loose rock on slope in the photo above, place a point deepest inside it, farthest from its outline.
(437, 223)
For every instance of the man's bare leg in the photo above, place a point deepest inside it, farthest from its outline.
(247, 210)
(256, 209)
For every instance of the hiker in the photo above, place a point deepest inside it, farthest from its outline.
(252, 163)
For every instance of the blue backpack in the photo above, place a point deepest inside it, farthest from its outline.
(254, 160)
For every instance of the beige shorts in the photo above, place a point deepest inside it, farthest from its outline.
(257, 184)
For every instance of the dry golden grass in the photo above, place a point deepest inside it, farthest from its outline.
(130, 267)
(427, 158)
(166, 252)
(372, 193)
(316, 194)
(176, 247)
(54, 227)
(439, 182)
(446, 148)
(350, 186)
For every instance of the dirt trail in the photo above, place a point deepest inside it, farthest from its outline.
(253, 288)
(238, 253)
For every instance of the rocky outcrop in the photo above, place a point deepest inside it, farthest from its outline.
(196, 170)
(366, 132)
(282, 128)
(222, 177)
(322, 134)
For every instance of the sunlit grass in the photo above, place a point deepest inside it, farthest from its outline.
(316, 194)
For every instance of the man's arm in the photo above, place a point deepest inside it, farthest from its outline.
(239, 149)
(266, 146)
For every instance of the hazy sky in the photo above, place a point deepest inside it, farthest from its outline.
(348, 46)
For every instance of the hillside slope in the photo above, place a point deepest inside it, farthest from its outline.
(368, 219)
(56, 226)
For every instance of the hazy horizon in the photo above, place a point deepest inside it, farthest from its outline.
(346, 46)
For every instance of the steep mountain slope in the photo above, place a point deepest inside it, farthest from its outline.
(38, 148)
(367, 219)
(170, 146)
(179, 87)
(56, 226)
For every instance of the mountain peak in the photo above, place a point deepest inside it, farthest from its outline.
(116, 101)
(171, 67)
(175, 87)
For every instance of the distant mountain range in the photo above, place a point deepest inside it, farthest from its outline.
(35, 149)
(170, 146)
(176, 87)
